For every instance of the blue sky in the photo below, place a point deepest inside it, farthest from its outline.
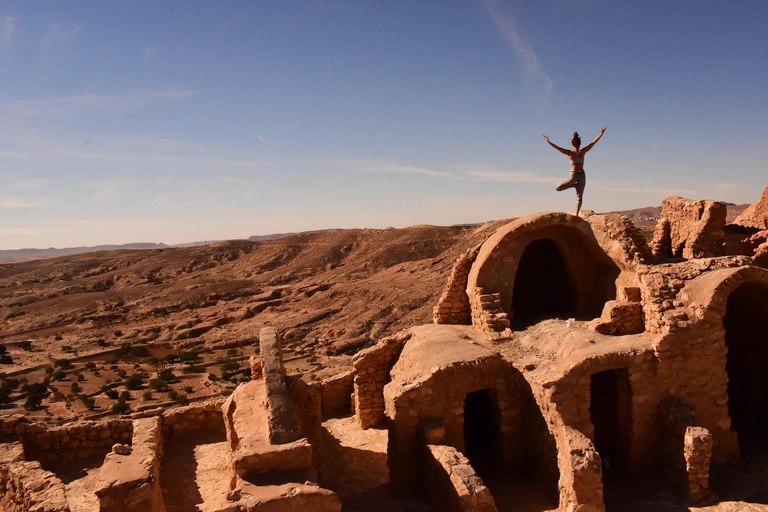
(181, 121)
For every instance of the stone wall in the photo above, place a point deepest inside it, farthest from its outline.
(664, 307)
(453, 306)
(372, 368)
(620, 239)
(453, 484)
(525, 444)
(690, 229)
(620, 318)
(26, 486)
(130, 482)
(336, 394)
(687, 449)
(281, 420)
(194, 419)
(488, 313)
(62, 444)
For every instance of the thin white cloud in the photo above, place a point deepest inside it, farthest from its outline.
(228, 179)
(105, 190)
(60, 150)
(539, 85)
(66, 107)
(15, 202)
(9, 27)
(151, 51)
(29, 184)
(379, 166)
(264, 140)
(510, 177)
(59, 35)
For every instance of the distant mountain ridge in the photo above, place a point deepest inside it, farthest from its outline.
(18, 255)
(14, 255)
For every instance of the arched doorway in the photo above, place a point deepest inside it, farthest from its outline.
(543, 287)
(610, 410)
(519, 465)
(746, 336)
(481, 431)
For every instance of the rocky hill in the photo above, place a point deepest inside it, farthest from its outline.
(330, 290)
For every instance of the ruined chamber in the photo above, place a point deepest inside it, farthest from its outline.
(569, 360)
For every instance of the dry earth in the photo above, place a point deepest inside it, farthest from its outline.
(330, 294)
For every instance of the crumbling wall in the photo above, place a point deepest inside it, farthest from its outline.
(25, 486)
(620, 318)
(664, 307)
(690, 229)
(698, 345)
(281, 421)
(452, 483)
(453, 306)
(756, 216)
(620, 239)
(62, 444)
(372, 368)
(687, 449)
(130, 482)
(488, 313)
(441, 395)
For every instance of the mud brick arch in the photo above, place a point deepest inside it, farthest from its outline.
(543, 265)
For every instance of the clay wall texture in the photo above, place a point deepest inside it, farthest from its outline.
(442, 398)
(25, 486)
(756, 215)
(453, 306)
(452, 482)
(690, 229)
(686, 449)
(372, 368)
(131, 482)
(591, 272)
(193, 419)
(61, 444)
(336, 394)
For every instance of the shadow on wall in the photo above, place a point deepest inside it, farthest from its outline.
(746, 336)
(542, 287)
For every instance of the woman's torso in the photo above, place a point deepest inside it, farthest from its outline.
(577, 161)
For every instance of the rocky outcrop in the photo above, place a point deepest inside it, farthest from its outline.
(690, 229)
(756, 216)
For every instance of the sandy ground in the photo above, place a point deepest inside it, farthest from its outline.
(195, 475)
(80, 495)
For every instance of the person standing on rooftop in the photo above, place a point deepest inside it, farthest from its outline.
(577, 178)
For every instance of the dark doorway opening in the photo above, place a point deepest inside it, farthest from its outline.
(543, 288)
(746, 336)
(481, 431)
(610, 410)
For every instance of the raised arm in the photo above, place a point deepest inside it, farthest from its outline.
(602, 131)
(563, 151)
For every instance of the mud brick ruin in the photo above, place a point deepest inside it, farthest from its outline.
(565, 354)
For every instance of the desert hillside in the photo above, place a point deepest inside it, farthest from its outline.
(335, 291)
